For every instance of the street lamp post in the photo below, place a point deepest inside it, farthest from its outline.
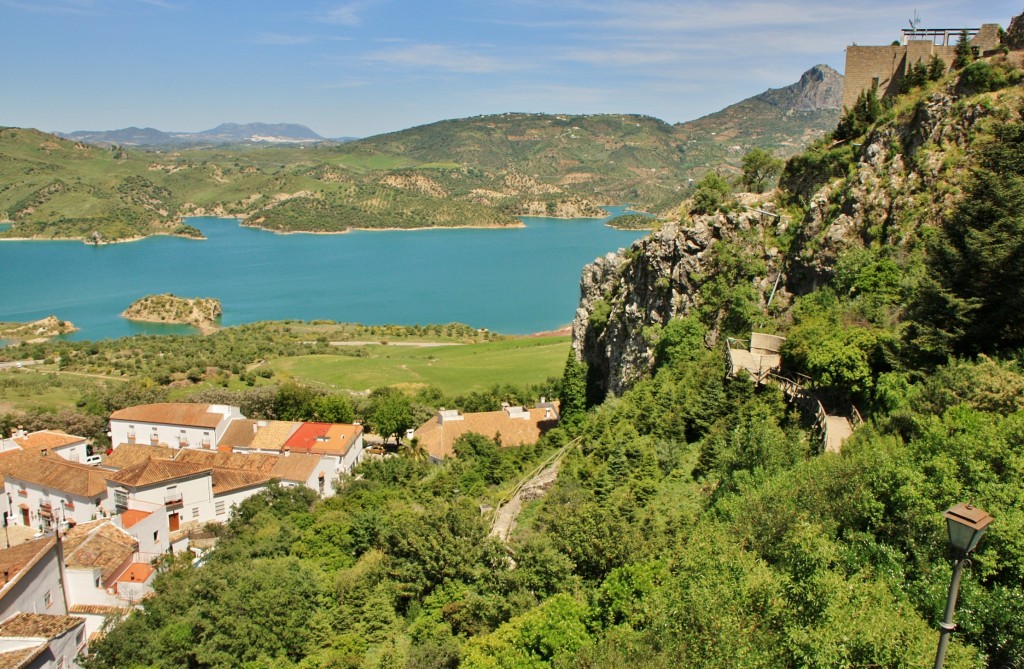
(966, 524)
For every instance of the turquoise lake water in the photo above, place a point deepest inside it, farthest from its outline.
(513, 281)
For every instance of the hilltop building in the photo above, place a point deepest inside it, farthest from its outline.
(885, 66)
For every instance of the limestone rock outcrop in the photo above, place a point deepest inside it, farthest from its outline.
(906, 176)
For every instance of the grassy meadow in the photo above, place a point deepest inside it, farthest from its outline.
(451, 369)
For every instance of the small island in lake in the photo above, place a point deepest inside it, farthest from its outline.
(36, 331)
(202, 312)
(633, 221)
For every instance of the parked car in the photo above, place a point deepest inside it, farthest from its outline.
(93, 459)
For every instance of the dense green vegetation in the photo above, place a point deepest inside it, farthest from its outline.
(695, 522)
(633, 222)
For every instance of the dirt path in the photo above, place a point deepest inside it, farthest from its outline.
(531, 488)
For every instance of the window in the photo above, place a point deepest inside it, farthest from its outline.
(195, 512)
(97, 581)
(121, 498)
(156, 536)
(47, 598)
(219, 507)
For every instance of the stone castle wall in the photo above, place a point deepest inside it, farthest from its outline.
(885, 66)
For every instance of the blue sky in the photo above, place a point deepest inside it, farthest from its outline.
(363, 67)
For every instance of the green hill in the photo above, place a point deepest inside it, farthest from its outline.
(480, 171)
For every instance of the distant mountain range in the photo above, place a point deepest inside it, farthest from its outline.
(225, 133)
(787, 113)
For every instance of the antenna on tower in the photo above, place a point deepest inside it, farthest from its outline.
(914, 23)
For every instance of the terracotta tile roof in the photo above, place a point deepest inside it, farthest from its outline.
(39, 625)
(36, 441)
(171, 413)
(155, 471)
(294, 467)
(227, 480)
(240, 433)
(324, 438)
(12, 459)
(60, 474)
(137, 573)
(98, 545)
(253, 462)
(297, 467)
(126, 455)
(96, 609)
(438, 437)
(132, 516)
(272, 434)
(19, 559)
(22, 657)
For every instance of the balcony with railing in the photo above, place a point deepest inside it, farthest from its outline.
(173, 499)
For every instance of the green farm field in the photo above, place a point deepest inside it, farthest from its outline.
(453, 370)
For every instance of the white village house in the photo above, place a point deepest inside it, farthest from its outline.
(48, 491)
(174, 424)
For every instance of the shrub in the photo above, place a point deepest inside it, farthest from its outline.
(982, 77)
(711, 194)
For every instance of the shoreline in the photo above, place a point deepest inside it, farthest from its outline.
(242, 223)
(87, 242)
(204, 328)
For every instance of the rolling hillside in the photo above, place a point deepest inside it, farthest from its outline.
(480, 171)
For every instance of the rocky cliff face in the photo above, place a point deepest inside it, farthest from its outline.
(906, 175)
(660, 277)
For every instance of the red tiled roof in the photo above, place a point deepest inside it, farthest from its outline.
(171, 413)
(126, 455)
(39, 625)
(132, 516)
(155, 471)
(47, 439)
(137, 573)
(297, 467)
(227, 480)
(97, 609)
(254, 462)
(324, 438)
(22, 657)
(60, 474)
(99, 544)
(240, 433)
(22, 557)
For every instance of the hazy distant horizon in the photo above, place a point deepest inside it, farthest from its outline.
(366, 67)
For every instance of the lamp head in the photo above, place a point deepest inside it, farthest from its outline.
(966, 525)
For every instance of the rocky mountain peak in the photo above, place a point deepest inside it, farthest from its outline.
(820, 87)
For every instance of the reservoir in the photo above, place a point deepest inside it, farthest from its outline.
(513, 281)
